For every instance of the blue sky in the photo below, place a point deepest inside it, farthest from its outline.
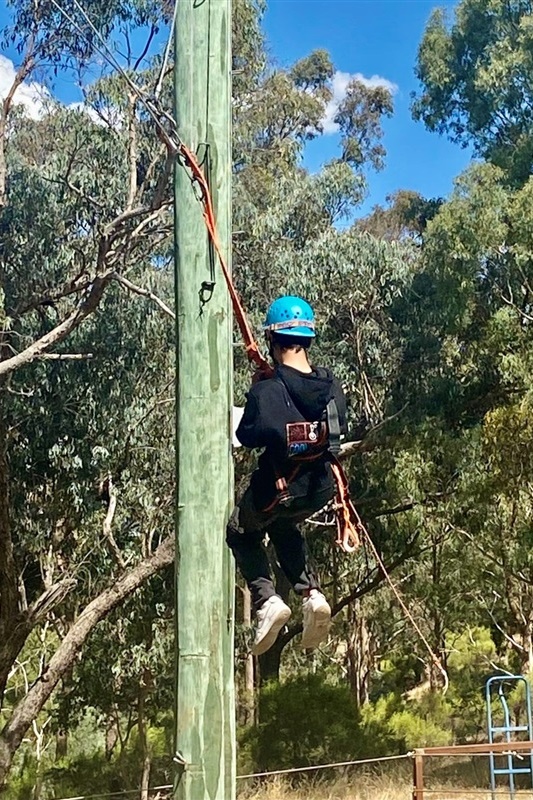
(372, 37)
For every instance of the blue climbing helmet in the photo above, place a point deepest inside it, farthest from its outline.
(290, 316)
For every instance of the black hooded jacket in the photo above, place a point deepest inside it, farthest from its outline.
(290, 396)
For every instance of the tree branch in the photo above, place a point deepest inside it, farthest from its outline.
(86, 307)
(144, 293)
(22, 73)
(50, 298)
(66, 357)
(108, 522)
(9, 596)
(363, 445)
(359, 591)
(145, 48)
(132, 150)
(30, 705)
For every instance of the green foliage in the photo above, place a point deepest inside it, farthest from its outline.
(407, 215)
(425, 313)
(302, 722)
(87, 769)
(426, 725)
(476, 80)
(359, 119)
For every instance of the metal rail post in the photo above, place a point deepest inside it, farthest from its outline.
(418, 775)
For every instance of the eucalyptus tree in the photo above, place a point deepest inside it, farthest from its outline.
(84, 367)
(86, 478)
(475, 67)
(478, 256)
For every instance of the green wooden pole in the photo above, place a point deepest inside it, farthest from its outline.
(205, 728)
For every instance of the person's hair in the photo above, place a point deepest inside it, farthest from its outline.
(296, 343)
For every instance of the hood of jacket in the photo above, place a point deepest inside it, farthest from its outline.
(310, 392)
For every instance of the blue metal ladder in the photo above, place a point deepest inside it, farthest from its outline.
(500, 686)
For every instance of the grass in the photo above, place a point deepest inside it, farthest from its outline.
(372, 787)
(448, 781)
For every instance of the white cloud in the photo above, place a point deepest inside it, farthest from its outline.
(339, 87)
(36, 99)
(32, 96)
(110, 117)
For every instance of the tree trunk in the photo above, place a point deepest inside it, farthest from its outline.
(528, 645)
(61, 744)
(439, 647)
(359, 655)
(248, 704)
(13, 625)
(30, 706)
(39, 777)
(143, 736)
(270, 662)
(111, 737)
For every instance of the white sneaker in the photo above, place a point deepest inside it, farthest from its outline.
(317, 619)
(271, 618)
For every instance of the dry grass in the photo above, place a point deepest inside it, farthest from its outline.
(366, 788)
(344, 789)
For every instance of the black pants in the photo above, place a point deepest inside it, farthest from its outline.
(246, 530)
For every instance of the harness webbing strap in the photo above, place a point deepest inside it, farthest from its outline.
(334, 427)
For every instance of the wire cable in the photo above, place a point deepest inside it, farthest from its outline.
(253, 775)
(337, 764)
(434, 658)
(171, 139)
(159, 84)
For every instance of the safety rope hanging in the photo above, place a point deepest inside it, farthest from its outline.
(188, 159)
(349, 525)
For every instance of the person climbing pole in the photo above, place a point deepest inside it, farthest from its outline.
(297, 414)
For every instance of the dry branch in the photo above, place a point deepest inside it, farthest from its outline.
(86, 306)
(30, 705)
(107, 525)
(144, 293)
(66, 356)
(5, 108)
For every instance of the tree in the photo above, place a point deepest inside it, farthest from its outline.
(359, 118)
(476, 81)
(88, 433)
(80, 222)
(406, 215)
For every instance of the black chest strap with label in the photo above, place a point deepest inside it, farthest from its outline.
(334, 427)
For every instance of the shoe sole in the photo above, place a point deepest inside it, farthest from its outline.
(280, 619)
(319, 629)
